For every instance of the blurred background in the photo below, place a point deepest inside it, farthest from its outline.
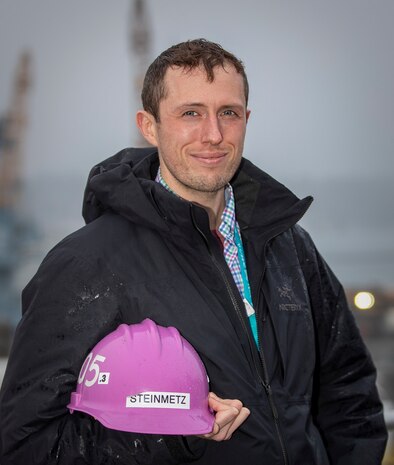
(322, 100)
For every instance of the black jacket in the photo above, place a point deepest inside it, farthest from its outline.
(146, 253)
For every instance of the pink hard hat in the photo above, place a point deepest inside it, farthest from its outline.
(145, 378)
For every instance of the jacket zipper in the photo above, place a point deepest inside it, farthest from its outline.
(265, 381)
(268, 390)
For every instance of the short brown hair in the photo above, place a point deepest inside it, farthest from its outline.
(188, 55)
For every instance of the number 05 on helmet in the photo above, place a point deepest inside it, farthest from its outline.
(145, 378)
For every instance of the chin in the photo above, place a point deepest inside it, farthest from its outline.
(208, 185)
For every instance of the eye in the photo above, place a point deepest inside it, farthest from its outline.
(229, 112)
(190, 113)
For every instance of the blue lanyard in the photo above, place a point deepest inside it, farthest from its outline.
(247, 293)
(242, 265)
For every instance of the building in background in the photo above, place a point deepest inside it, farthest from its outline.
(14, 231)
(141, 53)
(12, 129)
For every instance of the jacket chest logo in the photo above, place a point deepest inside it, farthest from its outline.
(287, 299)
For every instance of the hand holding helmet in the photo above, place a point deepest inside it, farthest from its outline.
(229, 415)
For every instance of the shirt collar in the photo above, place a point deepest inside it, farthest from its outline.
(227, 224)
(160, 180)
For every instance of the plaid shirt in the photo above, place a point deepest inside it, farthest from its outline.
(227, 231)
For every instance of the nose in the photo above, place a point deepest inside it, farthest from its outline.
(211, 130)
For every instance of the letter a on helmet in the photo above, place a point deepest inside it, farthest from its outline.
(145, 378)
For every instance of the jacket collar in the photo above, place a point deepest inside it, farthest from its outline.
(125, 183)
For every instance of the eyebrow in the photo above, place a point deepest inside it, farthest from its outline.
(191, 104)
(201, 105)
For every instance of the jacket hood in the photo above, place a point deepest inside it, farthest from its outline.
(125, 183)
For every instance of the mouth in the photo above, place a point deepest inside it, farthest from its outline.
(209, 158)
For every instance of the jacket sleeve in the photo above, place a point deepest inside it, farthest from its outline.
(348, 411)
(67, 308)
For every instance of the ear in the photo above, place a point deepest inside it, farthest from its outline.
(147, 125)
(247, 115)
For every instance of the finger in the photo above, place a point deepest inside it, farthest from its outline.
(223, 420)
(219, 405)
(227, 431)
(229, 415)
(226, 411)
(223, 433)
(243, 415)
(231, 402)
(218, 433)
(226, 416)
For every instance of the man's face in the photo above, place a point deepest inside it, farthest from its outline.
(201, 132)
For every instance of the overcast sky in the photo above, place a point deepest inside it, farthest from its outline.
(321, 74)
(321, 77)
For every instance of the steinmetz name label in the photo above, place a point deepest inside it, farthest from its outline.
(180, 400)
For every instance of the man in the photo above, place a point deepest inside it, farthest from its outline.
(192, 235)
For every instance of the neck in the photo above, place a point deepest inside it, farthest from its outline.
(213, 203)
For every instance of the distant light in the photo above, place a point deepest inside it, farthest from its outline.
(364, 300)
